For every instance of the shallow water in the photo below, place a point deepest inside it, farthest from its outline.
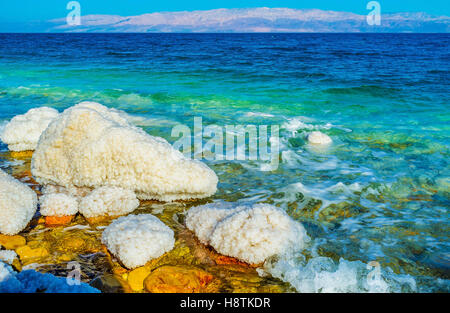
(380, 192)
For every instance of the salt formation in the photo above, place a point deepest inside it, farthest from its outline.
(89, 145)
(58, 204)
(108, 201)
(251, 234)
(18, 203)
(136, 239)
(23, 131)
(319, 138)
(30, 281)
(8, 256)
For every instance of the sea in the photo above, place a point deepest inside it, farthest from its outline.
(375, 201)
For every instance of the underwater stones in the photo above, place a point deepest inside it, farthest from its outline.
(58, 204)
(18, 203)
(136, 239)
(108, 201)
(31, 281)
(250, 234)
(23, 131)
(89, 145)
(318, 138)
(12, 242)
(177, 279)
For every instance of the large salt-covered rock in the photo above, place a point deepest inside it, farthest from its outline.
(89, 145)
(202, 219)
(23, 131)
(58, 204)
(108, 201)
(18, 203)
(250, 234)
(136, 239)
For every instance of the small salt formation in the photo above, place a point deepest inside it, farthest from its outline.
(108, 201)
(77, 192)
(18, 203)
(318, 138)
(136, 239)
(250, 234)
(89, 145)
(23, 131)
(31, 281)
(58, 204)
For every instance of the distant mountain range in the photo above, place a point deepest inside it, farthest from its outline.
(251, 20)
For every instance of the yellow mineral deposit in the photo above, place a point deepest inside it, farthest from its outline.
(189, 267)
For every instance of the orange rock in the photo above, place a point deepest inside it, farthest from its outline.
(58, 220)
(12, 242)
(177, 279)
(26, 253)
(225, 260)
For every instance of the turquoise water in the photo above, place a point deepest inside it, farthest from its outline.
(380, 192)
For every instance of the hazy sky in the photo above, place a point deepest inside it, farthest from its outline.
(41, 10)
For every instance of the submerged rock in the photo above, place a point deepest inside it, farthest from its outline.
(89, 145)
(177, 279)
(58, 205)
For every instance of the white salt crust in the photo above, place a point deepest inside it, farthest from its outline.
(319, 138)
(108, 201)
(136, 239)
(18, 203)
(250, 234)
(58, 204)
(89, 145)
(77, 192)
(23, 131)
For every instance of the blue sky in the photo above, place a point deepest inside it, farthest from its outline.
(41, 10)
